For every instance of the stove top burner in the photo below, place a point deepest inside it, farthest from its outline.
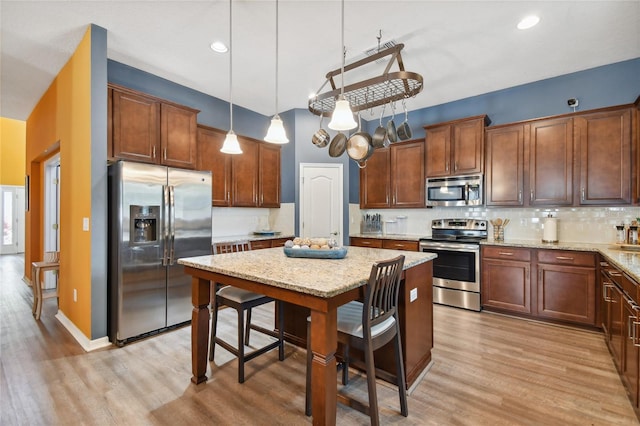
(458, 230)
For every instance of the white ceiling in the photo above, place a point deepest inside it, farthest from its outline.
(461, 48)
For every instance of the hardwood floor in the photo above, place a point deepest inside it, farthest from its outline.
(488, 370)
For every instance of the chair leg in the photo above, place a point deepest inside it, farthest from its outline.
(307, 400)
(371, 385)
(214, 324)
(281, 330)
(345, 365)
(402, 382)
(240, 346)
(248, 327)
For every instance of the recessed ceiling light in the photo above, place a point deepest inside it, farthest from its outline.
(528, 22)
(219, 47)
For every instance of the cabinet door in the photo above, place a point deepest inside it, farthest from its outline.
(375, 181)
(219, 164)
(506, 285)
(605, 157)
(178, 136)
(244, 175)
(616, 323)
(135, 127)
(407, 174)
(438, 151)
(631, 351)
(504, 178)
(269, 179)
(468, 146)
(567, 293)
(551, 162)
(365, 242)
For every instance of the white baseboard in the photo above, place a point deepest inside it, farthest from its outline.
(87, 345)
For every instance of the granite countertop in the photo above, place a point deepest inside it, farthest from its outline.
(250, 237)
(405, 237)
(626, 260)
(318, 277)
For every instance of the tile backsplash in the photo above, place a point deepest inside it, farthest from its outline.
(234, 221)
(575, 224)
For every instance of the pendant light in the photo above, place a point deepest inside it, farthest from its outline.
(231, 145)
(342, 117)
(276, 133)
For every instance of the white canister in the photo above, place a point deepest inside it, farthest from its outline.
(550, 230)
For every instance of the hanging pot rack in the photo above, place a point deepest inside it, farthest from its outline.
(376, 91)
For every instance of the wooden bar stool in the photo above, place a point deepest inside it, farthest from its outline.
(51, 262)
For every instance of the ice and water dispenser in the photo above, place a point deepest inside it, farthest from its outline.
(144, 224)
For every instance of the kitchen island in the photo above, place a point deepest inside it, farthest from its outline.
(318, 284)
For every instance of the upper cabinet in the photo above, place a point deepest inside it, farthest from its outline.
(150, 130)
(455, 147)
(578, 159)
(605, 150)
(394, 177)
(250, 179)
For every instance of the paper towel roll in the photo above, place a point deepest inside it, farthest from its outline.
(550, 230)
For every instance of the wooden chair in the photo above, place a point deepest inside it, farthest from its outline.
(242, 300)
(51, 262)
(369, 326)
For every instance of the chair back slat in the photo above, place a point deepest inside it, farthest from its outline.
(381, 295)
(220, 248)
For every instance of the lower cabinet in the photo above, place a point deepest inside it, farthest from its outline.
(385, 243)
(545, 284)
(263, 244)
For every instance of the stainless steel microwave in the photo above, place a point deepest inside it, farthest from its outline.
(455, 191)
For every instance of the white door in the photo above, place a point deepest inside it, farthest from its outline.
(51, 215)
(321, 200)
(12, 207)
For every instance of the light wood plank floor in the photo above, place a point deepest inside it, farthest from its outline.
(488, 370)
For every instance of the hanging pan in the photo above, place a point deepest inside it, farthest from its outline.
(404, 130)
(320, 138)
(359, 146)
(338, 145)
(379, 138)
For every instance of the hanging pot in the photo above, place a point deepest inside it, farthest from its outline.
(359, 146)
(321, 138)
(391, 126)
(338, 145)
(379, 138)
(404, 130)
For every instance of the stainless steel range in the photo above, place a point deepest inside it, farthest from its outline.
(456, 270)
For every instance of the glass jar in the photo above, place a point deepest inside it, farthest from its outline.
(621, 235)
(633, 234)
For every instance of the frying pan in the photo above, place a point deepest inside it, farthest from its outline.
(404, 130)
(391, 126)
(379, 138)
(359, 147)
(320, 138)
(338, 145)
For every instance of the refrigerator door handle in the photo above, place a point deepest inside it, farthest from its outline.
(172, 222)
(165, 231)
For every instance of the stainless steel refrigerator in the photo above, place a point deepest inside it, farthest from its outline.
(157, 215)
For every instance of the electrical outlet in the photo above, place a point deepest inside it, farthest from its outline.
(413, 294)
(75, 295)
(85, 223)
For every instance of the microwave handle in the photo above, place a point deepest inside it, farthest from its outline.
(466, 194)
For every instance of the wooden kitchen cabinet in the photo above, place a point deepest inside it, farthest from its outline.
(506, 279)
(551, 162)
(530, 164)
(605, 142)
(504, 169)
(250, 179)
(149, 130)
(566, 286)
(394, 177)
(210, 158)
(455, 147)
(385, 243)
(365, 242)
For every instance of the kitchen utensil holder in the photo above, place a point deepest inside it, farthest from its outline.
(498, 233)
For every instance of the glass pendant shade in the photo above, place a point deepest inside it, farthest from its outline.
(276, 133)
(231, 145)
(342, 117)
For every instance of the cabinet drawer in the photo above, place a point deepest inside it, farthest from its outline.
(366, 242)
(561, 257)
(260, 244)
(400, 245)
(502, 252)
(278, 242)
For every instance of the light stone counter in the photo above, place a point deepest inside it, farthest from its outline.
(319, 277)
(627, 260)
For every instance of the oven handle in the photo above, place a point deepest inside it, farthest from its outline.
(450, 246)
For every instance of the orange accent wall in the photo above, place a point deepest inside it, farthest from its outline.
(61, 122)
(12, 151)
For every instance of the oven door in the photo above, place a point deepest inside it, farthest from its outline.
(457, 265)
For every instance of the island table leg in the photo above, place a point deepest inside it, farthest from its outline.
(324, 341)
(200, 298)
